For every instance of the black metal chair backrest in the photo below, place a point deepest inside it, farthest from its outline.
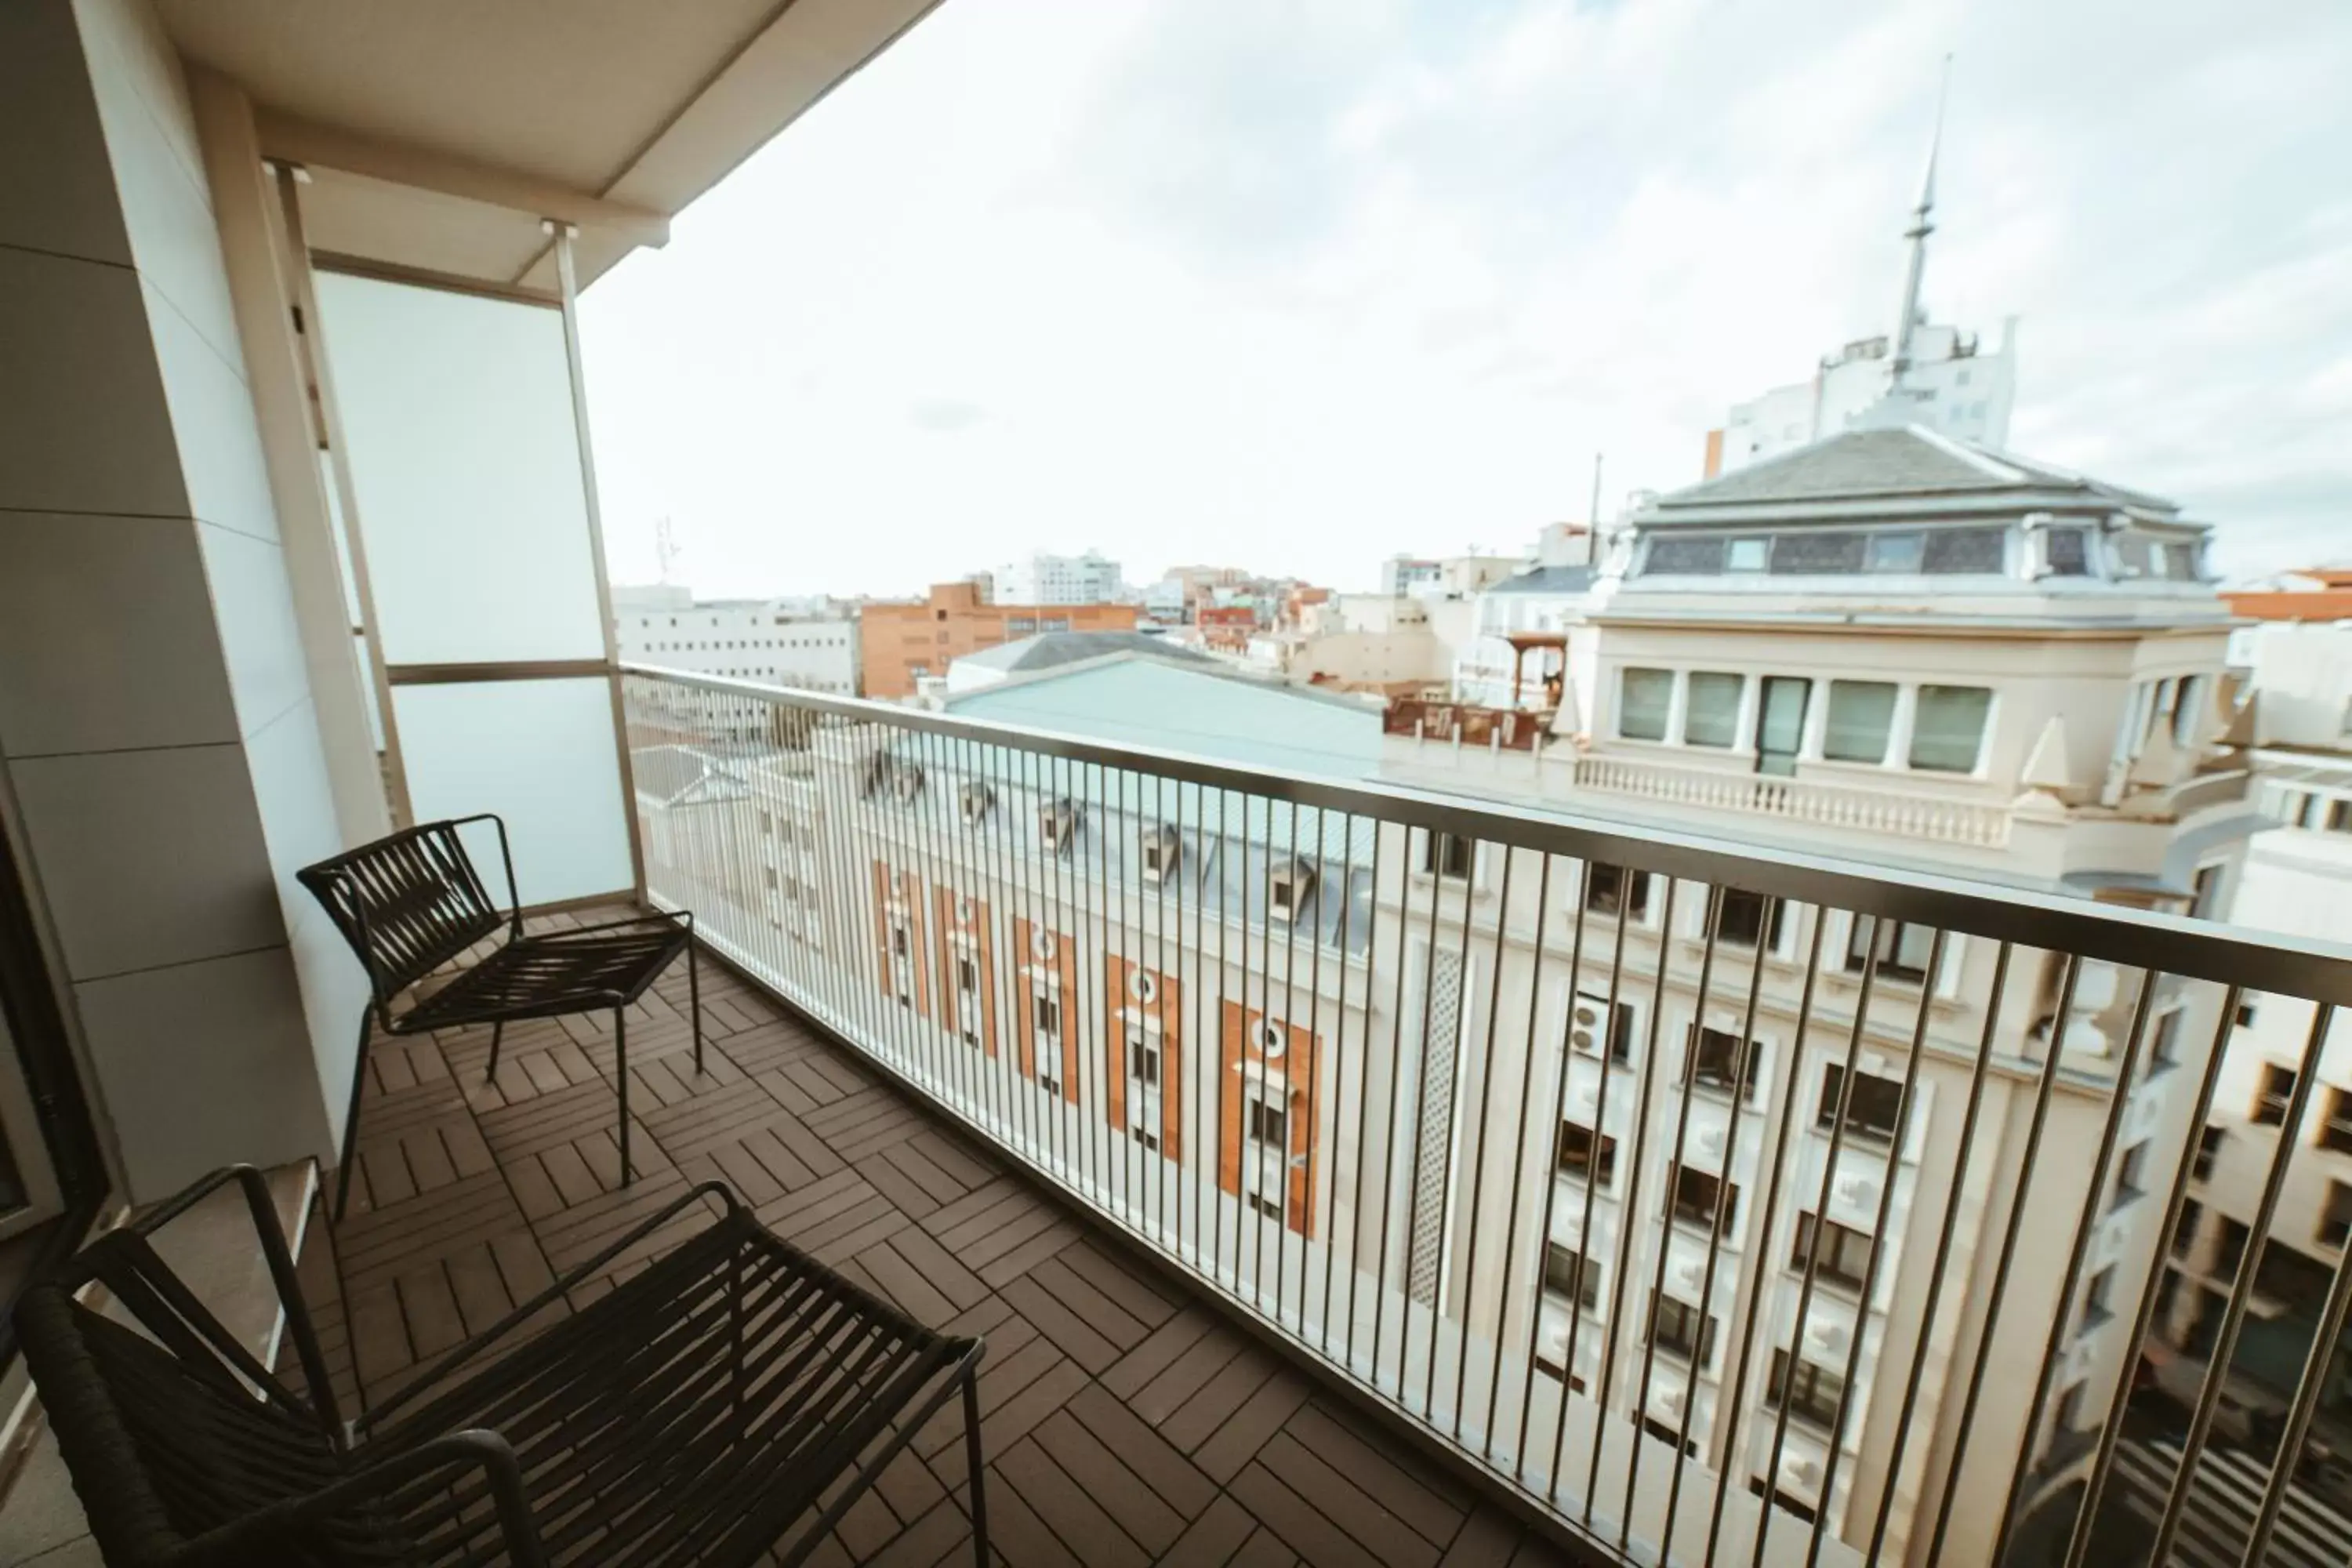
(407, 903)
(155, 1409)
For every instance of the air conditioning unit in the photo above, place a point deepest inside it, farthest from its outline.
(1828, 1336)
(1287, 887)
(1588, 1022)
(1161, 849)
(1671, 1400)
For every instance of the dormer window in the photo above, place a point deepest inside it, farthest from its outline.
(1057, 825)
(1161, 849)
(974, 799)
(907, 781)
(1287, 887)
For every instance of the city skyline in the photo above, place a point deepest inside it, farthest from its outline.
(1323, 292)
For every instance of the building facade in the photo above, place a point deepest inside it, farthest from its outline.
(900, 645)
(1039, 578)
(779, 641)
(1894, 647)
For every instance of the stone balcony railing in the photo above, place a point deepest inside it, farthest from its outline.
(1799, 799)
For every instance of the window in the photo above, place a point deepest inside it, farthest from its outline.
(767, 824)
(1947, 733)
(1963, 549)
(1746, 554)
(1810, 553)
(1143, 1058)
(1161, 851)
(1697, 1197)
(1748, 919)
(1681, 1329)
(1048, 1013)
(1845, 1257)
(1902, 950)
(2335, 1215)
(1810, 1393)
(2131, 1177)
(1712, 717)
(1899, 552)
(1268, 1206)
(1571, 1275)
(967, 976)
(1643, 697)
(2065, 553)
(1715, 1061)
(1286, 889)
(1871, 1110)
(2208, 1148)
(1447, 855)
(2164, 1050)
(1578, 1157)
(769, 872)
(1610, 890)
(1267, 1122)
(1861, 717)
(2184, 1232)
(2270, 1099)
(2180, 562)
(2231, 1249)
(1694, 557)
(2335, 1128)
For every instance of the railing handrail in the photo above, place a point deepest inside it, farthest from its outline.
(2139, 939)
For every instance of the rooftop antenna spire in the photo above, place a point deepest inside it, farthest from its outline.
(1922, 225)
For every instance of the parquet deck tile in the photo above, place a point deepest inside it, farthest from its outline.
(1124, 1421)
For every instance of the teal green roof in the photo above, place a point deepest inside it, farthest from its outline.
(1146, 702)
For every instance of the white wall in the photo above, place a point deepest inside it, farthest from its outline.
(162, 747)
(755, 640)
(2302, 683)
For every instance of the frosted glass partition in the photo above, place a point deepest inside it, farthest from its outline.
(457, 424)
(538, 752)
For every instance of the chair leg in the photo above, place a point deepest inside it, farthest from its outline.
(693, 998)
(621, 1068)
(974, 1462)
(497, 1038)
(352, 1122)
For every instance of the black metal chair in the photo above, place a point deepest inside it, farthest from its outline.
(732, 1394)
(410, 903)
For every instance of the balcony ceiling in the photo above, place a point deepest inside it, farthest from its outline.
(643, 104)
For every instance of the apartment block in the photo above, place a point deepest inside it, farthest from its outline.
(901, 645)
(780, 641)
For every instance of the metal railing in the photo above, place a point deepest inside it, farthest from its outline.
(1725, 1205)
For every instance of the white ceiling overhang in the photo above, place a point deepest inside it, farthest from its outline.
(438, 134)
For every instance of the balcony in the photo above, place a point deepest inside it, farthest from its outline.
(1842, 806)
(1466, 723)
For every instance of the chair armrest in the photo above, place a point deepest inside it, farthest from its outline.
(443, 1461)
(456, 1358)
(279, 1257)
(506, 857)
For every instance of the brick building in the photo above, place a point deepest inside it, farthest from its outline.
(900, 643)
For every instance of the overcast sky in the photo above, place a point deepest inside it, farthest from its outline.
(1299, 286)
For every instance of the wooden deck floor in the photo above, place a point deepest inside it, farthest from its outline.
(1124, 1422)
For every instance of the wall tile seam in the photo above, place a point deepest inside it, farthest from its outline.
(235, 366)
(286, 947)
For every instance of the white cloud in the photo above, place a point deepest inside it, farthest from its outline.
(1299, 286)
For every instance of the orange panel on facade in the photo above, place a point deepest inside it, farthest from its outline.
(1140, 996)
(1047, 961)
(966, 936)
(899, 942)
(1286, 1076)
